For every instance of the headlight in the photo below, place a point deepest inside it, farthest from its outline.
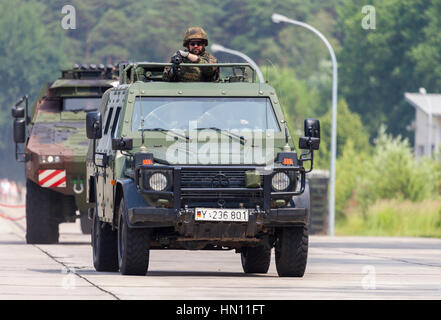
(50, 159)
(158, 181)
(280, 181)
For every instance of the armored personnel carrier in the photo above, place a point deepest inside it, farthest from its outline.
(55, 146)
(197, 166)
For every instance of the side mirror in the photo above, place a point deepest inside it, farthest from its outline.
(94, 125)
(312, 128)
(122, 144)
(19, 130)
(311, 140)
(18, 113)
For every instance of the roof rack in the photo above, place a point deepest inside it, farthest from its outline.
(152, 71)
(89, 71)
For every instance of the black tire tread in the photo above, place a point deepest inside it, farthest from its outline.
(41, 225)
(85, 223)
(136, 251)
(292, 252)
(256, 259)
(106, 250)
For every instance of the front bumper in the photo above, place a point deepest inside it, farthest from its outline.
(162, 217)
(182, 193)
(186, 194)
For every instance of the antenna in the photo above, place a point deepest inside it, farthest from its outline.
(286, 148)
(272, 65)
(267, 80)
(143, 148)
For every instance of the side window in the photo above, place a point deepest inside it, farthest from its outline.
(115, 121)
(109, 117)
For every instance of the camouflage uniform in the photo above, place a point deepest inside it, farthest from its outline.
(188, 74)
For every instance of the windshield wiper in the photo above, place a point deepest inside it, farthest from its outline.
(226, 132)
(76, 110)
(167, 132)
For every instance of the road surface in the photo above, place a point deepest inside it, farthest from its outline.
(338, 268)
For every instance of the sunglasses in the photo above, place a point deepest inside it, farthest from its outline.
(195, 43)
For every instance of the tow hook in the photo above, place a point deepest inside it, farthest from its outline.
(77, 189)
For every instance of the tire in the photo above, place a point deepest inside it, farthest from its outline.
(85, 223)
(41, 222)
(105, 246)
(256, 259)
(292, 251)
(133, 246)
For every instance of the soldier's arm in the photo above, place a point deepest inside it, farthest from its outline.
(190, 56)
(206, 59)
(209, 73)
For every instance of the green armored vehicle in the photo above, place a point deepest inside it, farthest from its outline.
(197, 166)
(55, 146)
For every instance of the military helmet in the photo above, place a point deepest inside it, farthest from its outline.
(195, 33)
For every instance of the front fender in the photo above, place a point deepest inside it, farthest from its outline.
(304, 201)
(126, 188)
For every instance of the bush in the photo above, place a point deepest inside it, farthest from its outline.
(349, 127)
(394, 173)
(388, 192)
(350, 168)
(395, 218)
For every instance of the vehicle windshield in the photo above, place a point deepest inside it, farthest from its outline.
(254, 114)
(81, 104)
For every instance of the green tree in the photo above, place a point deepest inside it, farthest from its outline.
(247, 26)
(394, 173)
(427, 54)
(30, 54)
(160, 29)
(112, 25)
(350, 170)
(376, 66)
(296, 97)
(349, 127)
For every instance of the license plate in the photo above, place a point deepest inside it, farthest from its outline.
(234, 215)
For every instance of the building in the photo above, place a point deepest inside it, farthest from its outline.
(427, 110)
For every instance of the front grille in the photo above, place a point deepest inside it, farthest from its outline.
(191, 178)
(214, 179)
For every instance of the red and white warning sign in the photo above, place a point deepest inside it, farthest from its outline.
(52, 178)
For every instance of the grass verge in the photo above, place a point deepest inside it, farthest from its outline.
(394, 218)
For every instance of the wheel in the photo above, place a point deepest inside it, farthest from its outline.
(41, 222)
(133, 246)
(85, 223)
(104, 244)
(256, 259)
(292, 251)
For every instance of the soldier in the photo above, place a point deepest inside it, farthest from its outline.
(195, 41)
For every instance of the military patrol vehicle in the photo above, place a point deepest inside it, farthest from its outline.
(55, 146)
(197, 166)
